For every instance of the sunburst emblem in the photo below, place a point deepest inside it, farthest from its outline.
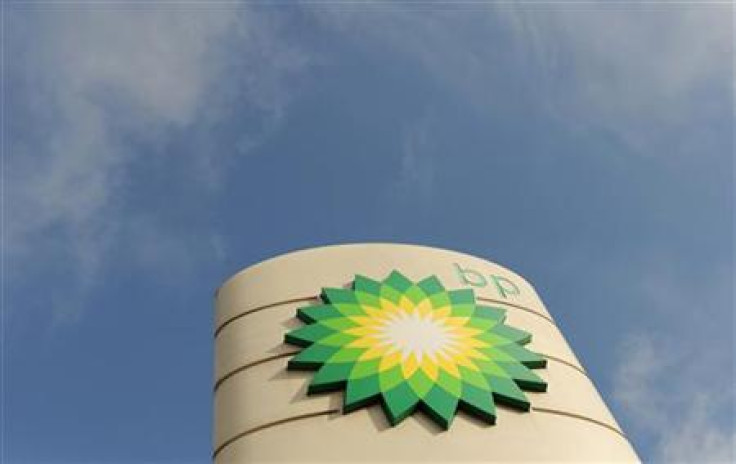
(414, 346)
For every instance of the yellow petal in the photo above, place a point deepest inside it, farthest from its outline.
(362, 331)
(373, 352)
(456, 321)
(387, 305)
(475, 354)
(362, 320)
(389, 360)
(429, 367)
(465, 362)
(475, 343)
(406, 304)
(441, 313)
(448, 365)
(374, 313)
(424, 308)
(465, 332)
(364, 342)
(409, 366)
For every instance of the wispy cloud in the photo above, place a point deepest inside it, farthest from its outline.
(636, 377)
(695, 437)
(648, 74)
(92, 85)
(417, 166)
(685, 417)
(675, 383)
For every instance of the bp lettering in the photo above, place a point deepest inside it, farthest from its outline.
(473, 278)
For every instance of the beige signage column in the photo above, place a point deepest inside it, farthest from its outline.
(262, 412)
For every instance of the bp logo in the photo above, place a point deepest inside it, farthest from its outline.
(414, 346)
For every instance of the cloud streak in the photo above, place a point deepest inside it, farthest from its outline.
(650, 75)
(417, 167)
(682, 416)
(646, 73)
(104, 82)
(675, 382)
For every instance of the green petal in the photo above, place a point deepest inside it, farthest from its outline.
(440, 300)
(415, 294)
(390, 293)
(492, 339)
(463, 310)
(350, 309)
(524, 356)
(462, 297)
(366, 285)
(440, 405)
(398, 282)
(338, 295)
(369, 300)
(431, 286)
(361, 392)
(365, 368)
(451, 384)
(490, 367)
(478, 402)
(505, 391)
(329, 377)
(338, 339)
(511, 334)
(399, 402)
(481, 324)
(420, 383)
(475, 378)
(304, 336)
(346, 355)
(390, 378)
(315, 313)
(312, 357)
(496, 354)
(524, 377)
(339, 323)
(490, 312)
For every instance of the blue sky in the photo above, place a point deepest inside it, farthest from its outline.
(152, 150)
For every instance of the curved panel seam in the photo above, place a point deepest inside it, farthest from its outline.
(260, 308)
(311, 298)
(514, 305)
(581, 417)
(269, 425)
(333, 411)
(247, 366)
(567, 363)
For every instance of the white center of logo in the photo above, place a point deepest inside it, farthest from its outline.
(418, 335)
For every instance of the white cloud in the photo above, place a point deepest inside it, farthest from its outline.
(676, 383)
(695, 437)
(636, 378)
(417, 168)
(441, 40)
(655, 388)
(91, 80)
(649, 74)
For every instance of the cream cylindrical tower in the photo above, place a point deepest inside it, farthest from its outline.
(264, 410)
